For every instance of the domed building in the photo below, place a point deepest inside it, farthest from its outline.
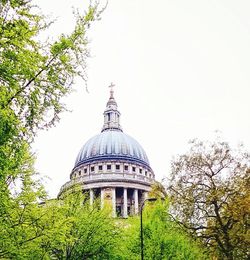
(113, 166)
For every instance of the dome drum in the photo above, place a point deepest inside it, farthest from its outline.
(111, 158)
(114, 166)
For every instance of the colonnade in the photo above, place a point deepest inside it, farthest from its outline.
(114, 200)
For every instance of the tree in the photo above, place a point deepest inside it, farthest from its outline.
(34, 76)
(66, 229)
(163, 238)
(27, 227)
(209, 190)
(158, 190)
(92, 233)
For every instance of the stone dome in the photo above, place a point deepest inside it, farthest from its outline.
(112, 145)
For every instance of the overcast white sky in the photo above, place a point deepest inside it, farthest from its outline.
(181, 70)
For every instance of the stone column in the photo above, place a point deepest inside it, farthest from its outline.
(113, 203)
(102, 198)
(136, 201)
(125, 203)
(91, 197)
(145, 195)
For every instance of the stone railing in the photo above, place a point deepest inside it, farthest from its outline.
(106, 177)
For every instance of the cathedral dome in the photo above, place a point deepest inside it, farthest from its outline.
(112, 145)
(112, 166)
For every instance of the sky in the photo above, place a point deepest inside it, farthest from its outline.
(181, 70)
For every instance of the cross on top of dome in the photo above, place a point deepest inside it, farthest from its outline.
(111, 86)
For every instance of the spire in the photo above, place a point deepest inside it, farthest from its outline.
(111, 114)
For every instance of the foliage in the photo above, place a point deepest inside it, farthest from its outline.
(163, 239)
(209, 191)
(68, 229)
(34, 76)
(92, 233)
(26, 225)
(158, 191)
